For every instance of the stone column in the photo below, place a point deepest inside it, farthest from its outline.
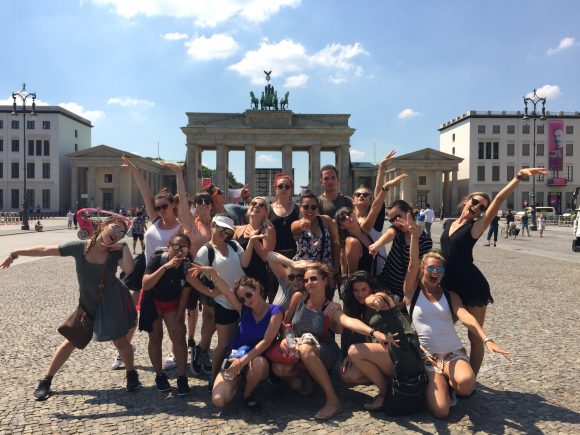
(454, 190)
(344, 169)
(92, 187)
(251, 168)
(446, 194)
(74, 186)
(314, 180)
(397, 189)
(117, 199)
(287, 159)
(222, 167)
(436, 199)
(411, 196)
(136, 199)
(193, 173)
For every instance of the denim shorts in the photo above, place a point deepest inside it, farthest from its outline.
(435, 362)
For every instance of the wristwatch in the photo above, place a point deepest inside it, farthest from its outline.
(488, 338)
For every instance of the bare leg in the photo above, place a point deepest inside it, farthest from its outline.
(125, 349)
(461, 377)
(135, 297)
(207, 327)
(225, 333)
(60, 356)
(192, 316)
(437, 395)
(154, 348)
(258, 371)
(477, 347)
(177, 336)
(224, 390)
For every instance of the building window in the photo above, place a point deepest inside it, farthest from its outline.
(15, 145)
(510, 201)
(525, 198)
(30, 147)
(15, 173)
(15, 124)
(510, 173)
(495, 129)
(495, 173)
(569, 129)
(540, 198)
(511, 149)
(38, 147)
(569, 150)
(525, 149)
(76, 133)
(15, 198)
(540, 129)
(76, 146)
(46, 147)
(422, 180)
(46, 170)
(30, 125)
(1, 123)
(453, 137)
(525, 129)
(1, 171)
(511, 129)
(481, 173)
(30, 199)
(453, 150)
(1, 145)
(481, 129)
(481, 150)
(46, 125)
(495, 150)
(540, 176)
(570, 173)
(108, 178)
(30, 170)
(1, 199)
(46, 199)
(540, 149)
(488, 150)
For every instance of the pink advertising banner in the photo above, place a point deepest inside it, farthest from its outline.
(556, 145)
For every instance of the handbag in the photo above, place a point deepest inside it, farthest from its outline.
(276, 355)
(78, 327)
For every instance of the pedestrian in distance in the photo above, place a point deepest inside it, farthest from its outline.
(493, 229)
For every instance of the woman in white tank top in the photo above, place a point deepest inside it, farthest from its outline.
(443, 354)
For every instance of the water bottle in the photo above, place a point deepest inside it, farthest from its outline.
(290, 339)
(239, 352)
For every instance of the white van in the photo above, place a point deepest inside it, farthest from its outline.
(547, 212)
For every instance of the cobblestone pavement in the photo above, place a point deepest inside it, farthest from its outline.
(535, 317)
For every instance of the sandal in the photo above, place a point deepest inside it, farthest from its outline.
(252, 403)
(376, 404)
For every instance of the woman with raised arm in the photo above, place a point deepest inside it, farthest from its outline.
(258, 223)
(258, 327)
(283, 213)
(315, 320)
(432, 310)
(290, 277)
(457, 241)
(103, 296)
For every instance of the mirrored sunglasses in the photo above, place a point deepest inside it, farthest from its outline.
(176, 247)
(431, 268)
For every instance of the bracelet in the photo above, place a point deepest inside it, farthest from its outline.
(519, 177)
(13, 256)
(488, 338)
(372, 332)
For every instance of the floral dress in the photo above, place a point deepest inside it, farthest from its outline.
(312, 248)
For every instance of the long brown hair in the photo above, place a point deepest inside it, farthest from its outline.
(471, 195)
(325, 271)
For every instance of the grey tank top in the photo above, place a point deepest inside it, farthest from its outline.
(307, 320)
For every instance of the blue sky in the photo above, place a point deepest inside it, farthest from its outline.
(135, 67)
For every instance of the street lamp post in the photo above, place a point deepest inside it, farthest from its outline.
(24, 95)
(534, 100)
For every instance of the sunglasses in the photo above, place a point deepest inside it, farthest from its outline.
(477, 203)
(222, 229)
(247, 295)
(258, 204)
(432, 268)
(117, 231)
(362, 194)
(161, 207)
(176, 247)
(292, 277)
(202, 201)
(312, 207)
(344, 216)
(217, 192)
(283, 186)
(394, 219)
(311, 279)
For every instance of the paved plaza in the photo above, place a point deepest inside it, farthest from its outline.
(535, 283)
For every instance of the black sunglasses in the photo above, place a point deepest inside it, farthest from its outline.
(311, 279)
(161, 207)
(283, 186)
(477, 203)
(247, 295)
(363, 194)
(202, 201)
(257, 204)
(393, 220)
(292, 277)
(177, 247)
(312, 207)
(344, 216)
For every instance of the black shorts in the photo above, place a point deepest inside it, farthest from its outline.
(223, 316)
(193, 299)
(137, 236)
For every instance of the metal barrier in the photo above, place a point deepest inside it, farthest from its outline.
(9, 218)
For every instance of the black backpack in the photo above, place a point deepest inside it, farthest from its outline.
(211, 250)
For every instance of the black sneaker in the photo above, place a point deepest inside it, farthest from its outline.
(195, 360)
(182, 386)
(206, 362)
(162, 383)
(190, 342)
(133, 383)
(43, 390)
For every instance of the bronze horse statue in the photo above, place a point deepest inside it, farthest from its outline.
(254, 101)
(284, 101)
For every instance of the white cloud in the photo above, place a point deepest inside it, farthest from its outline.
(174, 36)
(218, 46)
(356, 154)
(129, 102)
(408, 113)
(291, 58)
(547, 91)
(91, 115)
(267, 158)
(337, 80)
(205, 13)
(566, 42)
(296, 81)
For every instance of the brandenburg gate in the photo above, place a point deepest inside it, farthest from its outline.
(271, 127)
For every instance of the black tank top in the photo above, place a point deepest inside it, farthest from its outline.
(284, 238)
(257, 267)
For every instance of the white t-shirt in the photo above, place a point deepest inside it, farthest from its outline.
(228, 267)
(429, 215)
(156, 238)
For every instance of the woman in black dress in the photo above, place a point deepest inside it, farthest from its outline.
(457, 241)
(282, 213)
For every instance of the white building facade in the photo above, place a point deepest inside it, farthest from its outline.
(51, 134)
(495, 145)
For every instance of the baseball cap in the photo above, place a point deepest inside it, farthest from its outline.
(224, 222)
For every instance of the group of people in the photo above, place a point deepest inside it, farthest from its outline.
(264, 277)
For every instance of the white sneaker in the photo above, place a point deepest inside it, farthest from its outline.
(118, 363)
(170, 362)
